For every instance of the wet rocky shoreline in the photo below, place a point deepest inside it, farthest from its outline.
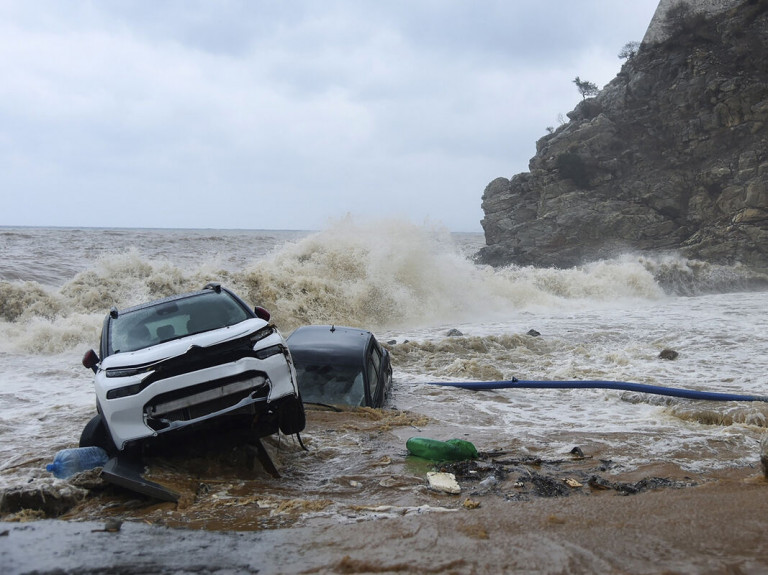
(356, 503)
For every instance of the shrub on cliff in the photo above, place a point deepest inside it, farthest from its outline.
(585, 87)
(629, 50)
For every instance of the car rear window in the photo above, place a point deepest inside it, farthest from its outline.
(333, 384)
(173, 319)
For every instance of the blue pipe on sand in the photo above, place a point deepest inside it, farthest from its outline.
(597, 384)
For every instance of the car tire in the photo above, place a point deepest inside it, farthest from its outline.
(95, 434)
(291, 416)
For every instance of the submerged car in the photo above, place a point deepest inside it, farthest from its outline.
(340, 365)
(187, 361)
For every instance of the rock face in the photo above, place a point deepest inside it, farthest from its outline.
(671, 156)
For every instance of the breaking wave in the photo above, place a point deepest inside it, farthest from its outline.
(680, 276)
(380, 275)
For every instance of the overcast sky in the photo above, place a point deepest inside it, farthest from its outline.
(286, 114)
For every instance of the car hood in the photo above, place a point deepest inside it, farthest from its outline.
(180, 346)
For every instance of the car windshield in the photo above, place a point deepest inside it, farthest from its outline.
(334, 384)
(173, 319)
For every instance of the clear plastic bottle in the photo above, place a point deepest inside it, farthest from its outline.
(67, 462)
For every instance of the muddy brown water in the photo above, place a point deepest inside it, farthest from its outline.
(355, 502)
(355, 467)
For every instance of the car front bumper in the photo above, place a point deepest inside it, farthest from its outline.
(195, 397)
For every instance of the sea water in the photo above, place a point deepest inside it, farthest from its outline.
(410, 284)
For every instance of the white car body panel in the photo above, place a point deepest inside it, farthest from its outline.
(126, 415)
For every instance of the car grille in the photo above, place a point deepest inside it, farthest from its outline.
(204, 399)
(197, 358)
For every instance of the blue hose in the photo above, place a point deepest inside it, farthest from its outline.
(597, 384)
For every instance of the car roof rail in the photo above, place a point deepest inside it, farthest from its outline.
(113, 313)
(215, 286)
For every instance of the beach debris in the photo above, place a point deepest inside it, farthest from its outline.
(68, 462)
(599, 484)
(453, 332)
(436, 450)
(488, 482)
(470, 504)
(646, 484)
(576, 451)
(546, 486)
(571, 482)
(533, 333)
(669, 354)
(445, 482)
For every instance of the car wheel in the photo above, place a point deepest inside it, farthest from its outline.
(95, 433)
(291, 415)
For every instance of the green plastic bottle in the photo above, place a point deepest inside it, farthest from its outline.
(436, 450)
(467, 447)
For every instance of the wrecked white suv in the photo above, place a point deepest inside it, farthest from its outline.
(186, 361)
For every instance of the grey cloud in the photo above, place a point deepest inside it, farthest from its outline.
(303, 110)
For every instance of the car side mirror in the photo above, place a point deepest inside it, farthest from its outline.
(90, 360)
(262, 313)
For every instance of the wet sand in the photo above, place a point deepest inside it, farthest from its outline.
(354, 503)
(716, 528)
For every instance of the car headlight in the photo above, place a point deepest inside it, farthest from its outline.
(264, 332)
(128, 371)
(126, 391)
(269, 351)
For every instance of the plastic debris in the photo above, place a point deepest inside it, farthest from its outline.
(436, 450)
(445, 482)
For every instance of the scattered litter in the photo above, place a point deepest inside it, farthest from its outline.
(570, 482)
(488, 482)
(436, 450)
(445, 482)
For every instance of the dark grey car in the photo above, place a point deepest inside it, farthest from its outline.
(340, 365)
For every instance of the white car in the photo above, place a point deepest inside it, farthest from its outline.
(187, 361)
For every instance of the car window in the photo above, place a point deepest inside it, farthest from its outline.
(169, 320)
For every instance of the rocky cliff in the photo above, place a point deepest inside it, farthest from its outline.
(671, 156)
